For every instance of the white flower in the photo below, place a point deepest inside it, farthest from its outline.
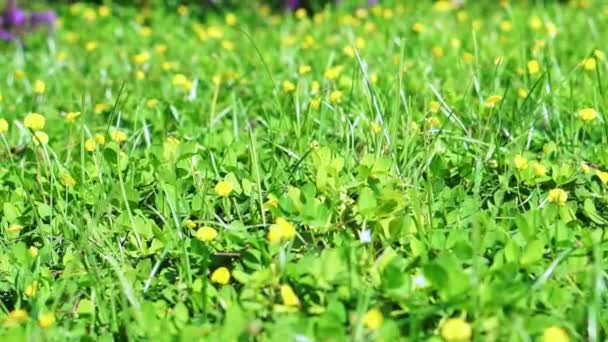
(365, 236)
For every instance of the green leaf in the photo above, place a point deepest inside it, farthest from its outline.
(532, 253)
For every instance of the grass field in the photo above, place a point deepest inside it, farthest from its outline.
(407, 171)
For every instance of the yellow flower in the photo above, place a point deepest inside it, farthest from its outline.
(551, 29)
(190, 224)
(141, 58)
(443, 6)
(349, 51)
(333, 73)
(230, 19)
(182, 10)
(145, 31)
(118, 135)
(272, 202)
(34, 121)
(539, 169)
(533, 67)
(373, 319)
(99, 108)
(438, 51)
(434, 106)
(555, 334)
(314, 87)
(304, 69)
(281, 230)
(40, 138)
(335, 96)
(288, 86)
(223, 188)
(46, 320)
(557, 196)
(90, 145)
(375, 127)
(14, 229)
(206, 234)
(589, 64)
(62, 56)
(90, 46)
(300, 13)
(151, 103)
(33, 251)
(587, 114)
(492, 101)
(506, 26)
(228, 45)
(160, 49)
(456, 329)
(433, 122)
(39, 87)
(89, 15)
(418, 27)
(104, 11)
(535, 23)
(315, 103)
(19, 74)
(71, 116)
(3, 125)
(289, 297)
(520, 162)
(220, 276)
(67, 180)
(16, 317)
(603, 176)
(30, 290)
(523, 93)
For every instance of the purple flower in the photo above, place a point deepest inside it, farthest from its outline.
(293, 4)
(6, 36)
(43, 18)
(14, 16)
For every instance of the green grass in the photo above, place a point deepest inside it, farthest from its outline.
(405, 142)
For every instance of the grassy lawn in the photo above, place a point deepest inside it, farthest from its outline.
(407, 171)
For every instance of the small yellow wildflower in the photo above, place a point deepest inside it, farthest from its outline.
(145, 32)
(46, 320)
(523, 93)
(438, 51)
(67, 180)
(433, 121)
(434, 107)
(71, 116)
(555, 333)
(589, 64)
(288, 86)
(90, 145)
(506, 26)
(61, 56)
(533, 67)
(90, 46)
(289, 297)
(39, 87)
(220, 276)
(141, 58)
(281, 230)
(14, 229)
(89, 15)
(315, 103)
(418, 27)
(99, 108)
(104, 11)
(16, 317)
(602, 175)
(492, 101)
(520, 162)
(443, 6)
(223, 188)
(539, 169)
(40, 138)
(558, 196)
(315, 87)
(535, 23)
(271, 202)
(304, 69)
(587, 114)
(30, 290)
(228, 45)
(333, 73)
(335, 96)
(118, 135)
(3, 125)
(375, 127)
(19, 74)
(551, 29)
(456, 329)
(160, 49)
(373, 319)
(34, 121)
(100, 138)
(151, 103)
(190, 224)
(33, 251)
(206, 234)
(300, 13)
(182, 10)
(230, 19)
